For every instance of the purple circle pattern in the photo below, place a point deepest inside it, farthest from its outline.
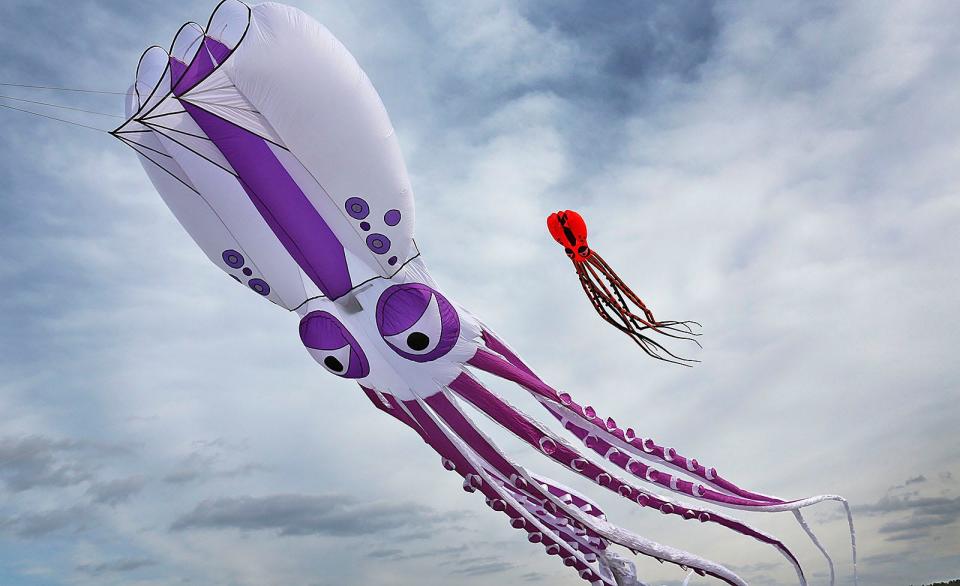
(357, 208)
(233, 258)
(401, 306)
(260, 286)
(392, 218)
(378, 243)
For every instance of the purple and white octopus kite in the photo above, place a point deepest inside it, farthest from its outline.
(273, 150)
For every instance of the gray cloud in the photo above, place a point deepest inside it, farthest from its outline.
(293, 514)
(122, 565)
(484, 568)
(924, 513)
(116, 491)
(28, 462)
(40, 524)
(756, 567)
(395, 554)
(211, 459)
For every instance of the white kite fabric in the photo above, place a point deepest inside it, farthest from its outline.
(272, 148)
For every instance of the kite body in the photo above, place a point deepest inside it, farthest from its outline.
(273, 150)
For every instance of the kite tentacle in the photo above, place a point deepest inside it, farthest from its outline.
(446, 408)
(625, 321)
(560, 500)
(555, 402)
(595, 264)
(598, 260)
(556, 449)
(560, 404)
(478, 477)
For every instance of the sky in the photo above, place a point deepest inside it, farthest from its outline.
(784, 173)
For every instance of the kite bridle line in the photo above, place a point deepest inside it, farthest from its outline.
(58, 106)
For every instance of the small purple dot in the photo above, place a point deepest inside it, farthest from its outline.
(247, 271)
(392, 261)
(378, 243)
(392, 218)
(233, 258)
(357, 208)
(365, 226)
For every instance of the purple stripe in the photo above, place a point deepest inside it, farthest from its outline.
(177, 69)
(200, 67)
(281, 202)
(219, 51)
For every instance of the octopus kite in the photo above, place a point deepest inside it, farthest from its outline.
(272, 148)
(609, 294)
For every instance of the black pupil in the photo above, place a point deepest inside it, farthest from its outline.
(333, 364)
(418, 341)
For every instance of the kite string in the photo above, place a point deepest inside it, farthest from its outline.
(52, 118)
(62, 107)
(61, 89)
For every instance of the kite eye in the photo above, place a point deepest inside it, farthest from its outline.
(417, 322)
(332, 346)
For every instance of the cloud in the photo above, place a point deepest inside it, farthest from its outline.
(40, 524)
(33, 461)
(482, 569)
(293, 514)
(207, 461)
(395, 554)
(925, 513)
(116, 491)
(118, 566)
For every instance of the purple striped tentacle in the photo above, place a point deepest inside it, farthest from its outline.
(391, 406)
(537, 493)
(478, 478)
(577, 536)
(494, 488)
(556, 449)
(494, 364)
(554, 402)
(626, 438)
(587, 510)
